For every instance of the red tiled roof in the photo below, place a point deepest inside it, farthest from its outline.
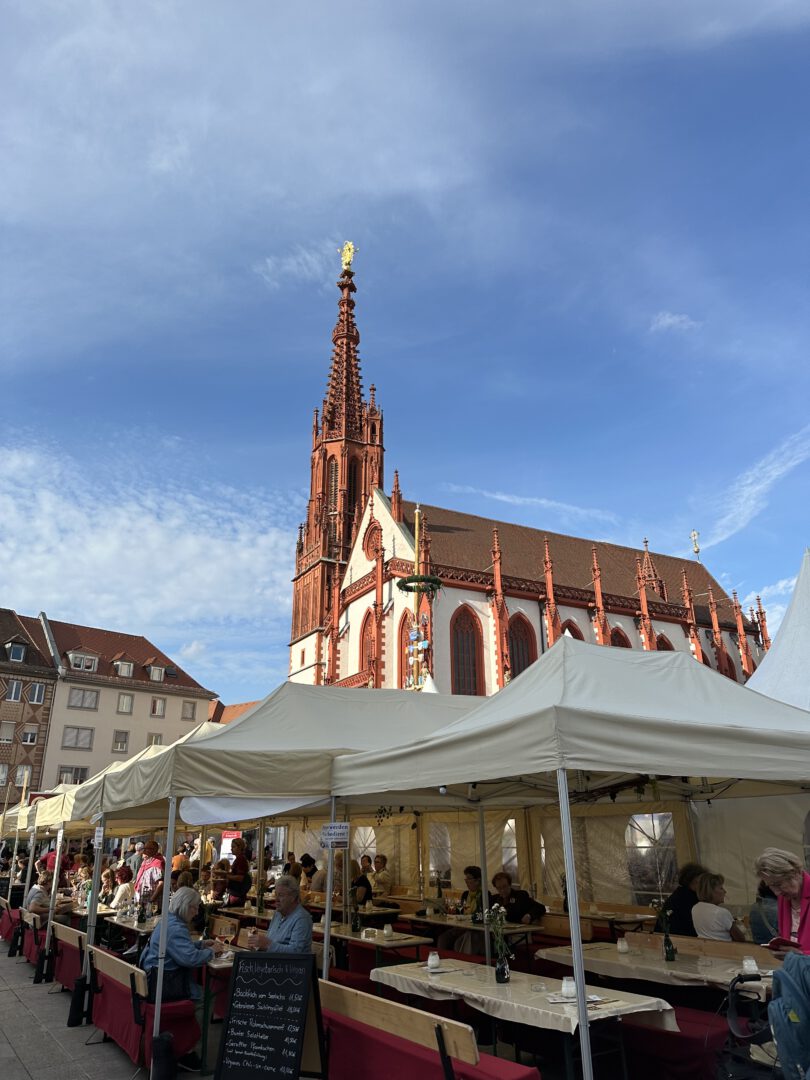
(224, 714)
(108, 645)
(465, 541)
(14, 627)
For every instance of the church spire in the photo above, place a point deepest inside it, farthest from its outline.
(343, 405)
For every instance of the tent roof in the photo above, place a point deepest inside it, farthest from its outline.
(592, 708)
(285, 746)
(783, 672)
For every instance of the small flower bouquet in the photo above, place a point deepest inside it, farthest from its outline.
(664, 913)
(495, 919)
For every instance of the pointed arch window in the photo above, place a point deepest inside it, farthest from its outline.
(405, 624)
(570, 627)
(522, 645)
(663, 644)
(619, 639)
(366, 642)
(466, 653)
(332, 485)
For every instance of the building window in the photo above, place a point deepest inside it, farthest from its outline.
(7, 731)
(189, 710)
(3, 775)
(156, 673)
(405, 624)
(16, 652)
(14, 691)
(663, 644)
(522, 645)
(29, 736)
(154, 738)
(123, 668)
(83, 662)
(467, 653)
(364, 841)
(72, 774)
(570, 629)
(366, 643)
(125, 703)
(120, 742)
(619, 639)
(440, 852)
(82, 699)
(158, 707)
(36, 693)
(509, 849)
(77, 738)
(23, 775)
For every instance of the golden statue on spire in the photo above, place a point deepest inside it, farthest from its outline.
(347, 253)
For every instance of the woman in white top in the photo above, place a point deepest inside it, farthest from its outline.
(709, 918)
(124, 892)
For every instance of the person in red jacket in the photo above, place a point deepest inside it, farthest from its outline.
(784, 872)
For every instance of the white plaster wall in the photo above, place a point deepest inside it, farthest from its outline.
(304, 672)
(397, 541)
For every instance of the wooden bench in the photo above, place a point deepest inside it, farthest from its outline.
(9, 917)
(68, 946)
(120, 1009)
(32, 940)
(370, 1037)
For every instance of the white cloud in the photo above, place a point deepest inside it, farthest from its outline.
(748, 495)
(668, 320)
(317, 263)
(566, 511)
(203, 570)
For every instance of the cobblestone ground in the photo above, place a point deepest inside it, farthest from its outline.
(35, 1042)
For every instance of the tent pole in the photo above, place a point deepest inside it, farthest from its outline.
(573, 917)
(164, 918)
(330, 879)
(92, 910)
(482, 844)
(31, 841)
(260, 875)
(13, 868)
(57, 873)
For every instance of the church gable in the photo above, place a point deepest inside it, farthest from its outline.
(377, 525)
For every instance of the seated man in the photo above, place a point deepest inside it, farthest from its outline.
(520, 908)
(38, 901)
(381, 880)
(291, 927)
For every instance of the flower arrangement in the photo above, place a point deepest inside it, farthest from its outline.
(495, 918)
(663, 913)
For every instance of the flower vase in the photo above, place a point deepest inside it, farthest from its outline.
(669, 948)
(502, 973)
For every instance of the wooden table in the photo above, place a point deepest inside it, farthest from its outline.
(381, 943)
(649, 965)
(523, 1000)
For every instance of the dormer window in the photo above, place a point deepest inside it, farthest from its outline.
(123, 668)
(156, 673)
(83, 661)
(16, 651)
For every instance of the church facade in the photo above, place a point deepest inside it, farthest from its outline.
(507, 592)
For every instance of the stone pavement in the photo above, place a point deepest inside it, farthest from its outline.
(36, 1044)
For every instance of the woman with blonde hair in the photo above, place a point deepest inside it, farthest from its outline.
(784, 872)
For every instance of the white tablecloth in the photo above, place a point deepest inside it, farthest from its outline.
(523, 1000)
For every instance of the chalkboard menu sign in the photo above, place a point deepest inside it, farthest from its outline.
(273, 1019)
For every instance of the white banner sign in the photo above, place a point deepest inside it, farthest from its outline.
(335, 834)
(98, 838)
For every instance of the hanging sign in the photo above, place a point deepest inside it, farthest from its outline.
(335, 834)
(227, 836)
(98, 837)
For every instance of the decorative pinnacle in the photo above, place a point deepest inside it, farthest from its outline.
(347, 254)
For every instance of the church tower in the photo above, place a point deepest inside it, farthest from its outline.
(346, 466)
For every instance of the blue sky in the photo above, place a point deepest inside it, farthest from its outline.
(582, 289)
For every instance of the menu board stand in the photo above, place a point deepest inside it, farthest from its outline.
(273, 1027)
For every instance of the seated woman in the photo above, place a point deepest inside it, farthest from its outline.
(107, 888)
(764, 915)
(366, 865)
(680, 903)
(182, 956)
(219, 879)
(784, 872)
(520, 908)
(710, 919)
(360, 883)
(472, 903)
(124, 891)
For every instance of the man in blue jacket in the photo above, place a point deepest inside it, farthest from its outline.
(291, 927)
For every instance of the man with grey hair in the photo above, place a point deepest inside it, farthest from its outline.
(134, 861)
(291, 927)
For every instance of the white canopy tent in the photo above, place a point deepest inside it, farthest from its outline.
(783, 672)
(595, 710)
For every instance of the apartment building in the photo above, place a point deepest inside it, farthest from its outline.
(27, 684)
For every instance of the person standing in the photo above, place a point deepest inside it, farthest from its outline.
(134, 860)
(149, 880)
